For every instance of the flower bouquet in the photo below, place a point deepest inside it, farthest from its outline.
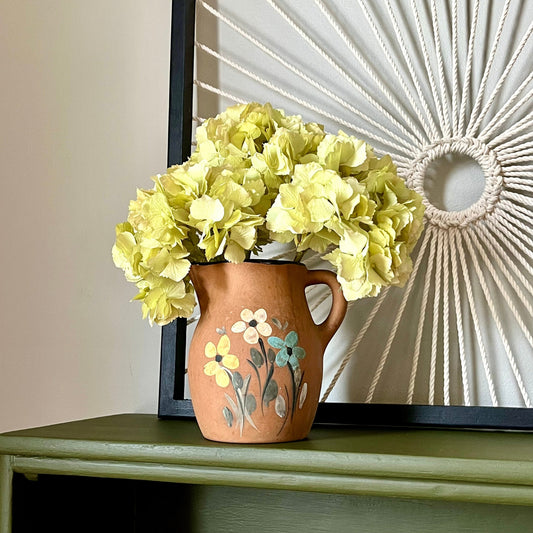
(259, 176)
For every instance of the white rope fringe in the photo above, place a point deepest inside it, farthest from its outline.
(433, 100)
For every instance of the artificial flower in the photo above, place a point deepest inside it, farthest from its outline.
(259, 176)
(163, 299)
(342, 153)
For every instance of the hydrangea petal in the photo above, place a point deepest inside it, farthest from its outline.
(244, 236)
(320, 209)
(234, 253)
(206, 208)
(353, 242)
(176, 269)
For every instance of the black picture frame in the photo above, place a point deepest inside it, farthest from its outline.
(172, 403)
(172, 368)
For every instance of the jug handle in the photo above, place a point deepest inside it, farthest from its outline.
(338, 307)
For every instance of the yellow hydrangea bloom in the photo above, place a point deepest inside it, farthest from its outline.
(256, 176)
(163, 299)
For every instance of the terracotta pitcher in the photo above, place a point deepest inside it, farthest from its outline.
(255, 360)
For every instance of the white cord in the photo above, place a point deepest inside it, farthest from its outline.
(462, 253)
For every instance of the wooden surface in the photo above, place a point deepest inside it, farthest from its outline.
(374, 475)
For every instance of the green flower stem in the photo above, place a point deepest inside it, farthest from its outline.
(240, 404)
(299, 255)
(243, 393)
(294, 391)
(259, 380)
(240, 400)
(263, 350)
(269, 377)
(230, 374)
(269, 371)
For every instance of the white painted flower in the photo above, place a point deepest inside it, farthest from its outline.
(253, 325)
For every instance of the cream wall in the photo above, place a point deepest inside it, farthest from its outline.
(83, 110)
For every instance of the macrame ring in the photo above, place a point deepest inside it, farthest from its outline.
(487, 160)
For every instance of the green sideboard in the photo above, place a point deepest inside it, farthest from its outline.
(141, 474)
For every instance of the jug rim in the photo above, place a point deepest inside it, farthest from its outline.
(273, 262)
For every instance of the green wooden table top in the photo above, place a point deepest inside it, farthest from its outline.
(481, 466)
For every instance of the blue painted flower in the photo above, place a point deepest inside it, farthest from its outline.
(289, 352)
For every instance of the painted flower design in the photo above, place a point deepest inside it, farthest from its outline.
(289, 352)
(253, 325)
(223, 361)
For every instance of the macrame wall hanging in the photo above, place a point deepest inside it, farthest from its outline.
(445, 87)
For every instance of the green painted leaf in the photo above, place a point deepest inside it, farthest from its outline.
(250, 403)
(277, 323)
(271, 392)
(237, 380)
(271, 355)
(228, 415)
(257, 357)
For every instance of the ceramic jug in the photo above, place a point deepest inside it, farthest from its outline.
(255, 359)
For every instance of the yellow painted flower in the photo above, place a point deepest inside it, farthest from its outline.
(223, 361)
